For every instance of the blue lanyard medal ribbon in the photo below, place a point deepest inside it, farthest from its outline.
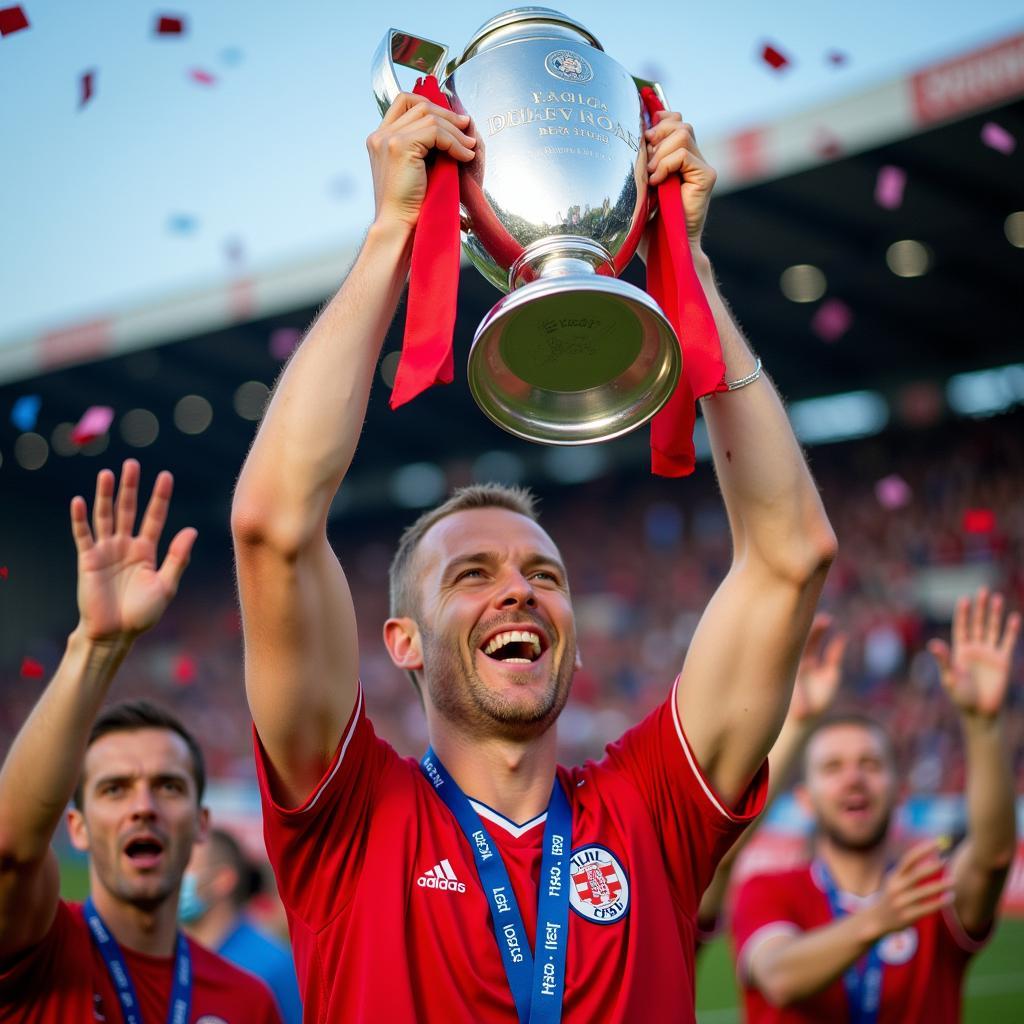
(863, 981)
(181, 990)
(537, 980)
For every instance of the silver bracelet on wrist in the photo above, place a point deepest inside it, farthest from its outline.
(735, 385)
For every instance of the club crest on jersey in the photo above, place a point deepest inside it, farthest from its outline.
(899, 947)
(600, 888)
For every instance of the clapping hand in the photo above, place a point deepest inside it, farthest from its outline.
(975, 671)
(121, 591)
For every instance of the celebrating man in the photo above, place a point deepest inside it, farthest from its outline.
(441, 892)
(861, 933)
(137, 778)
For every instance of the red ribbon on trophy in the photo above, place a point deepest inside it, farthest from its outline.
(672, 281)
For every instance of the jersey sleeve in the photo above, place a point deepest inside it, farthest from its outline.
(32, 969)
(695, 825)
(317, 848)
(762, 908)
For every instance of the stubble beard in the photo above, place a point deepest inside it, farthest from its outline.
(850, 844)
(461, 697)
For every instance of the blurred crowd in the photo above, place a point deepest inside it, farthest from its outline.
(921, 518)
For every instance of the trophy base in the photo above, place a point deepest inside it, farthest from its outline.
(573, 359)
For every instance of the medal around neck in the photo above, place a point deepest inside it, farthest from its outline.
(553, 207)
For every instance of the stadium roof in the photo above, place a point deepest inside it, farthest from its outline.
(798, 193)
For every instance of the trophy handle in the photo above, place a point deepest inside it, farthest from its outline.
(646, 83)
(411, 52)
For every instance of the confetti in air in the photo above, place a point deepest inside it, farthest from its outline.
(832, 320)
(836, 58)
(95, 422)
(4, 572)
(774, 58)
(979, 520)
(25, 412)
(168, 25)
(889, 187)
(283, 342)
(232, 56)
(996, 137)
(182, 223)
(12, 19)
(185, 670)
(32, 669)
(893, 492)
(202, 77)
(87, 84)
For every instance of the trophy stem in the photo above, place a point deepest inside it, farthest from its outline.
(560, 256)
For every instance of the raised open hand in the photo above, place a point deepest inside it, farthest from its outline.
(819, 671)
(121, 592)
(975, 671)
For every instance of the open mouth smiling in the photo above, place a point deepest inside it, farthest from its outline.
(515, 646)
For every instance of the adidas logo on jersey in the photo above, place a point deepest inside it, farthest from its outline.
(441, 876)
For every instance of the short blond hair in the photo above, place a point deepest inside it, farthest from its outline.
(403, 584)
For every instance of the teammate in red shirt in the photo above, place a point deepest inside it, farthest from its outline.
(136, 776)
(853, 936)
(489, 885)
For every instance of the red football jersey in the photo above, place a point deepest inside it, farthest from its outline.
(389, 921)
(64, 978)
(923, 966)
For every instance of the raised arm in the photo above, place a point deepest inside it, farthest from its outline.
(975, 674)
(121, 593)
(815, 687)
(738, 674)
(301, 655)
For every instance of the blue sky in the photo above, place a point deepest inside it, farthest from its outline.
(268, 164)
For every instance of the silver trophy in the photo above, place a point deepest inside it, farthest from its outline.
(553, 207)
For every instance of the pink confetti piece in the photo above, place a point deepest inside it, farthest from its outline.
(283, 342)
(832, 319)
(774, 58)
(996, 137)
(87, 84)
(889, 187)
(169, 25)
(95, 422)
(893, 492)
(32, 669)
(12, 19)
(202, 77)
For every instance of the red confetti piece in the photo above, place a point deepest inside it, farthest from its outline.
(32, 669)
(3, 572)
(832, 320)
(996, 137)
(12, 19)
(979, 520)
(95, 422)
(774, 58)
(202, 77)
(166, 25)
(826, 145)
(88, 87)
(185, 670)
(893, 492)
(889, 187)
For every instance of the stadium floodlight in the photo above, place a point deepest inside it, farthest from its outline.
(1014, 228)
(418, 485)
(841, 417)
(803, 282)
(908, 258)
(986, 392)
(575, 465)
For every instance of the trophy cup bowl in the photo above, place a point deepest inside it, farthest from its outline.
(553, 206)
